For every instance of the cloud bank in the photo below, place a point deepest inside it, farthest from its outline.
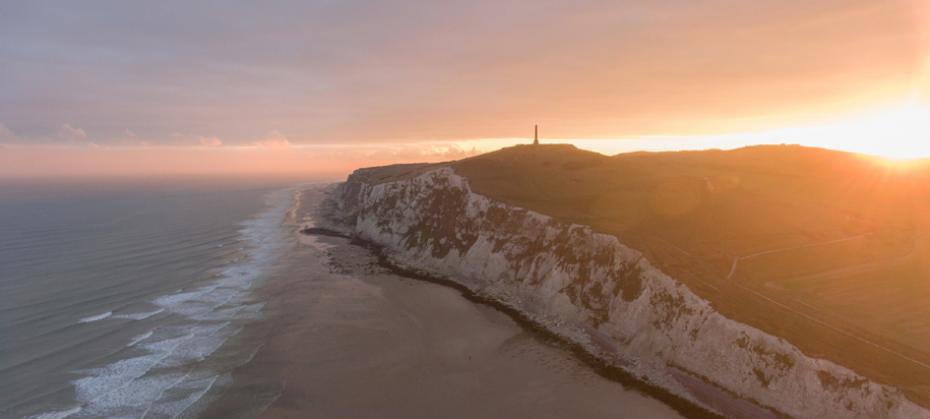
(361, 72)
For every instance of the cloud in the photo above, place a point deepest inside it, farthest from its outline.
(210, 141)
(333, 71)
(192, 140)
(131, 139)
(274, 140)
(377, 154)
(449, 152)
(71, 135)
(68, 133)
(7, 135)
(130, 134)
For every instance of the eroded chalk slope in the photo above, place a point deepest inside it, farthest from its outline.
(592, 289)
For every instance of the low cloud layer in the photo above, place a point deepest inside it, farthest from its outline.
(274, 140)
(323, 162)
(6, 135)
(66, 135)
(210, 142)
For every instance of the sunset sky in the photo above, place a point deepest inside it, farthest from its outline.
(320, 87)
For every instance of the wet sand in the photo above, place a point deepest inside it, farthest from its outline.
(343, 337)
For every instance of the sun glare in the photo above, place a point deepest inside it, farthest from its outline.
(896, 134)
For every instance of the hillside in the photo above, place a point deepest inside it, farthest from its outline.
(824, 248)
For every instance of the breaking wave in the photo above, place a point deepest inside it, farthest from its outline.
(96, 317)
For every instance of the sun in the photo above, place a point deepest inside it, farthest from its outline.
(896, 134)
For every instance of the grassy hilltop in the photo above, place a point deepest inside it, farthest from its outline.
(824, 248)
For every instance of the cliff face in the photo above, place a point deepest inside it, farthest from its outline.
(592, 289)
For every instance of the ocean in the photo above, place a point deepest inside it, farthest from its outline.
(116, 295)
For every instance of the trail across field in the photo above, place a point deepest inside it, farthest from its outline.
(742, 287)
(737, 259)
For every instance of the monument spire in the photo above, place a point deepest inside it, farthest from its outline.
(535, 134)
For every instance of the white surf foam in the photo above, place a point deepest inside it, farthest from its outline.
(60, 414)
(136, 384)
(185, 394)
(96, 317)
(165, 379)
(140, 338)
(139, 316)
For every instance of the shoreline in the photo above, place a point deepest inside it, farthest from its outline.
(343, 334)
(599, 366)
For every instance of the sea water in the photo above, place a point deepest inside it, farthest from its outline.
(115, 296)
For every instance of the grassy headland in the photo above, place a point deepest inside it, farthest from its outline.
(824, 248)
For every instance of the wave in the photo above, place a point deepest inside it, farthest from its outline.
(140, 383)
(96, 317)
(162, 375)
(140, 338)
(60, 414)
(139, 316)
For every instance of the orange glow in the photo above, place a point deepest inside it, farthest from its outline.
(895, 133)
(898, 133)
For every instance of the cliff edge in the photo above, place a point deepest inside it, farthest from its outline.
(597, 291)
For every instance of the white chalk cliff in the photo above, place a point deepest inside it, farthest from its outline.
(594, 290)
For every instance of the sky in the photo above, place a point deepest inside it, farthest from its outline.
(321, 87)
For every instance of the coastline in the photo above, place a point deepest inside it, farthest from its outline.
(361, 335)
